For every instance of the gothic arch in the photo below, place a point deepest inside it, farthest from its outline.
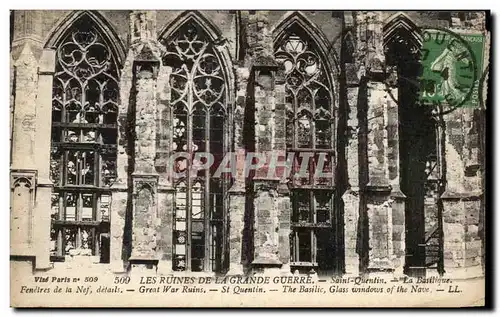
(420, 161)
(22, 181)
(400, 20)
(201, 86)
(299, 25)
(399, 28)
(148, 187)
(298, 19)
(102, 25)
(85, 99)
(215, 36)
(210, 28)
(311, 126)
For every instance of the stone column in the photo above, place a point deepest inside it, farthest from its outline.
(270, 206)
(144, 178)
(22, 185)
(121, 204)
(23, 136)
(382, 204)
(146, 63)
(236, 229)
(166, 191)
(351, 196)
(397, 196)
(237, 192)
(462, 211)
(271, 203)
(266, 202)
(25, 54)
(377, 189)
(120, 188)
(283, 200)
(42, 146)
(462, 198)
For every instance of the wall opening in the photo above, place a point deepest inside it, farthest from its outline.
(420, 168)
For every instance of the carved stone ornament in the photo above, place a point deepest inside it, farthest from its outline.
(142, 182)
(144, 44)
(23, 177)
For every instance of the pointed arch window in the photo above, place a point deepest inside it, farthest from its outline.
(198, 101)
(83, 143)
(309, 131)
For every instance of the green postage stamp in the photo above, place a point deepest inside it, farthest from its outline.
(452, 66)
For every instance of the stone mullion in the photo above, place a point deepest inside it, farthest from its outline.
(189, 181)
(441, 161)
(61, 216)
(295, 146)
(206, 197)
(295, 105)
(225, 184)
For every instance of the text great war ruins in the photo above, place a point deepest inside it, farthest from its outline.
(101, 100)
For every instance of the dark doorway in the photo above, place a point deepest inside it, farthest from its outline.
(418, 154)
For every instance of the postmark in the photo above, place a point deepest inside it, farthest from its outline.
(452, 64)
(449, 69)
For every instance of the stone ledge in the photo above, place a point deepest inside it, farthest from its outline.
(464, 273)
(449, 195)
(262, 261)
(398, 194)
(237, 189)
(22, 250)
(381, 189)
(235, 269)
(165, 189)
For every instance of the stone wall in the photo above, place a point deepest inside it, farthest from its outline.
(369, 201)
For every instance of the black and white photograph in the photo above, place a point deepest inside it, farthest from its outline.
(248, 158)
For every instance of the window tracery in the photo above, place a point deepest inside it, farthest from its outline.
(309, 129)
(84, 136)
(198, 92)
